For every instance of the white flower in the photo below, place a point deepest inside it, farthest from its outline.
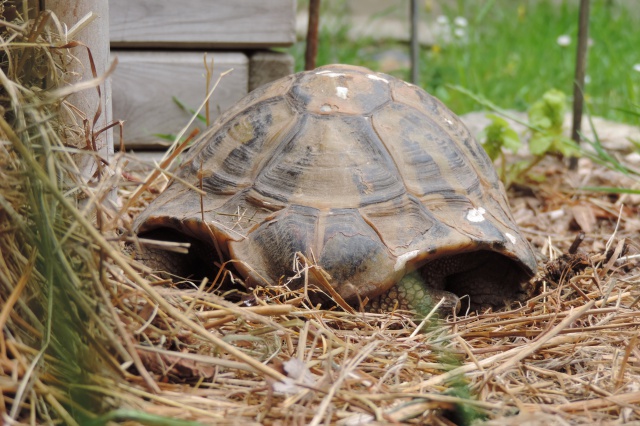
(459, 32)
(636, 67)
(564, 40)
(442, 20)
(587, 79)
(460, 21)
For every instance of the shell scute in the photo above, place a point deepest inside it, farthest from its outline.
(290, 231)
(416, 221)
(331, 90)
(431, 161)
(232, 158)
(336, 157)
(353, 254)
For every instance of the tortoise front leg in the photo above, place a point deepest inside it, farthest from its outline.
(417, 293)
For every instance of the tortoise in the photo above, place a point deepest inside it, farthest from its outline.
(371, 177)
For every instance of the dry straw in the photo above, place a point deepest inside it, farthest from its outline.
(90, 335)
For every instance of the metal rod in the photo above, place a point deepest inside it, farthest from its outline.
(415, 42)
(312, 35)
(578, 84)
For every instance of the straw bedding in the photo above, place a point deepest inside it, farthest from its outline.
(90, 335)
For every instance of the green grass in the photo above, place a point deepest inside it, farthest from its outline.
(511, 55)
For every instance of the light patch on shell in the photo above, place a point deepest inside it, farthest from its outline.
(404, 258)
(330, 73)
(449, 122)
(510, 237)
(476, 215)
(325, 108)
(375, 77)
(342, 92)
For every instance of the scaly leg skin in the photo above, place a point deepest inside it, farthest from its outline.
(415, 293)
(162, 261)
(487, 277)
(420, 291)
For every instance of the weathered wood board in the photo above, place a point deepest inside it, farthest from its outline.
(267, 66)
(143, 162)
(202, 23)
(145, 83)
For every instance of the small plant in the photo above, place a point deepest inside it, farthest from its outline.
(192, 112)
(546, 116)
(499, 135)
(463, 412)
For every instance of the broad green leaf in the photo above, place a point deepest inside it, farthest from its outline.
(540, 144)
(511, 139)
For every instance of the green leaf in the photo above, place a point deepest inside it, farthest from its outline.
(540, 144)
(495, 119)
(492, 150)
(191, 111)
(511, 139)
(610, 190)
(541, 121)
(442, 93)
(165, 136)
(140, 417)
(628, 111)
(546, 116)
(498, 135)
(566, 147)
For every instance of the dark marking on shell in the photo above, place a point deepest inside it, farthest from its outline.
(349, 245)
(292, 231)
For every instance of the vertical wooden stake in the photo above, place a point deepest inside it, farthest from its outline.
(312, 35)
(578, 84)
(96, 37)
(415, 42)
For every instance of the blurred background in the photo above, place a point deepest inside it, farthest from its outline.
(509, 51)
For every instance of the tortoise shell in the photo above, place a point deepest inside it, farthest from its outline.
(366, 174)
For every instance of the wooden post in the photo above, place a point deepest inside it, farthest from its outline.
(578, 84)
(312, 35)
(96, 37)
(415, 42)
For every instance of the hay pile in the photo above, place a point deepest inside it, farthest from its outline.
(90, 336)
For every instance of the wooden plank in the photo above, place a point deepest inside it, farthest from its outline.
(267, 66)
(202, 23)
(145, 83)
(141, 163)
